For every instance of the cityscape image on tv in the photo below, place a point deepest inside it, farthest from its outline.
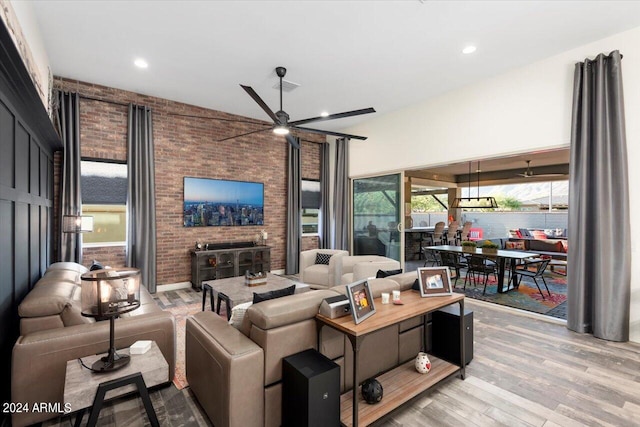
(215, 202)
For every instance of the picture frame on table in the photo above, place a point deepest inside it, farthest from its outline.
(361, 300)
(434, 281)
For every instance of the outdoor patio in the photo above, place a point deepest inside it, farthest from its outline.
(525, 297)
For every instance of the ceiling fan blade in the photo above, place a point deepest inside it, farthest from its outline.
(243, 134)
(328, 132)
(335, 116)
(252, 93)
(293, 141)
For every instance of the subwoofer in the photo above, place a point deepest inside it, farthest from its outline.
(310, 390)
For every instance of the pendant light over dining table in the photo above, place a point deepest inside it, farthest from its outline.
(486, 202)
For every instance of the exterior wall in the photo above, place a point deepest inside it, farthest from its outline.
(188, 147)
(526, 109)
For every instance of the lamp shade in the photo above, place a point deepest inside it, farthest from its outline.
(110, 292)
(77, 223)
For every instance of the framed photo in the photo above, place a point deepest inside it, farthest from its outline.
(434, 281)
(361, 300)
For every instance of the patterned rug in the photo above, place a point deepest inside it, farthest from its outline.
(525, 297)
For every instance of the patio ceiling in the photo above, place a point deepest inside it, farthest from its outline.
(545, 166)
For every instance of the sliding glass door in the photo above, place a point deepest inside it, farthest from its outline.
(377, 213)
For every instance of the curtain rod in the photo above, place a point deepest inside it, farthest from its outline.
(192, 116)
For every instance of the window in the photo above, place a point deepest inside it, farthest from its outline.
(310, 207)
(104, 196)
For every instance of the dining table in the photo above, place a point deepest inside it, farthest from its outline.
(500, 257)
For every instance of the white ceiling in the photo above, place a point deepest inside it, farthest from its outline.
(346, 55)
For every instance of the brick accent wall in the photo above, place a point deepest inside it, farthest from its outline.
(187, 146)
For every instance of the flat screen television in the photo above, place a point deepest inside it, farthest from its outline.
(220, 202)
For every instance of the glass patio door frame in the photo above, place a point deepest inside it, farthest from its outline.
(399, 210)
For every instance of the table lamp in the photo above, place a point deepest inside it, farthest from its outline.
(109, 293)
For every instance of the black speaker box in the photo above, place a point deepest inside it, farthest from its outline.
(310, 390)
(445, 329)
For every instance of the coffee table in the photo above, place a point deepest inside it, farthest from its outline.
(233, 291)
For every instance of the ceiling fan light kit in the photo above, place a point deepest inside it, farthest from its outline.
(282, 125)
(281, 130)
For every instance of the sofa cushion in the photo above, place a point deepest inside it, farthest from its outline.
(278, 293)
(47, 299)
(283, 311)
(71, 266)
(323, 258)
(546, 245)
(317, 274)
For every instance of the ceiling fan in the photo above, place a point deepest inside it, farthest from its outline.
(529, 173)
(282, 125)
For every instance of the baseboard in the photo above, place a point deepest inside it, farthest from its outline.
(173, 286)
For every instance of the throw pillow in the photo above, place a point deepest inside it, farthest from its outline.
(273, 294)
(517, 245)
(538, 234)
(237, 314)
(386, 273)
(416, 285)
(323, 258)
(95, 266)
(524, 232)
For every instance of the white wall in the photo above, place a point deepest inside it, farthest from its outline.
(523, 110)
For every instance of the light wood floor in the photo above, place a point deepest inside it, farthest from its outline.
(525, 372)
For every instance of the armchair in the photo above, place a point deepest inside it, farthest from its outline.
(320, 276)
(357, 267)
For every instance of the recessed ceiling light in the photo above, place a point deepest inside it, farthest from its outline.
(324, 114)
(140, 63)
(469, 49)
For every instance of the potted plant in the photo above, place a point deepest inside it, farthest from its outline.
(468, 246)
(488, 247)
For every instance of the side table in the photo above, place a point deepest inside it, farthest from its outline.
(84, 389)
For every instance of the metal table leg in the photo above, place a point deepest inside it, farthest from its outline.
(463, 362)
(104, 387)
(355, 345)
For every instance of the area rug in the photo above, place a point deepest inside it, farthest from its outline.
(181, 313)
(525, 297)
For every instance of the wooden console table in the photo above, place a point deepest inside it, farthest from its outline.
(403, 382)
(228, 261)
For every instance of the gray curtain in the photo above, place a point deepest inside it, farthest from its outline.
(141, 195)
(68, 118)
(325, 213)
(294, 196)
(341, 195)
(599, 260)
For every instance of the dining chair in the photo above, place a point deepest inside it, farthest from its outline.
(451, 260)
(464, 233)
(436, 237)
(452, 234)
(430, 257)
(535, 270)
(479, 265)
